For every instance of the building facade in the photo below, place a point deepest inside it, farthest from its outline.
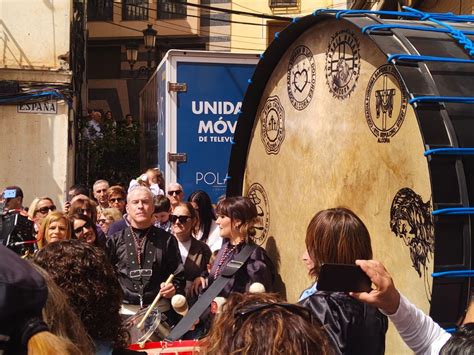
(113, 85)
(38, 96)
(254, 34)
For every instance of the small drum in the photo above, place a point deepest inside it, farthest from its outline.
(349, 109)
(180, 347)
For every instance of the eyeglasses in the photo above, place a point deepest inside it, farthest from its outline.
(101, 221)
(174, 193)
(46, 209)
(244, 312)
(78, 230)
(118, 199)
(182, 219)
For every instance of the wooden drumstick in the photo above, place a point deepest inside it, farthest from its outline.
(153, 304)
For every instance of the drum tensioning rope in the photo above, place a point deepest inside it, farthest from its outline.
(414, 14)
(453, 273)
(426, 58)
(446, 99)
(368, 29)
(449, 151)
(454, 211)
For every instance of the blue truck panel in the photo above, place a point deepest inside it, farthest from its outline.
(206, 119)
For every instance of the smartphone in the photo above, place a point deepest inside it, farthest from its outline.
(10, 193)
(343, 278)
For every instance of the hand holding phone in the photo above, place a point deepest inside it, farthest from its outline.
(343, 278)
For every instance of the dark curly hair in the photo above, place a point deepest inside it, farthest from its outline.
(85, 275)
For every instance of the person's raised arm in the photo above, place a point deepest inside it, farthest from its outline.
(417, 330)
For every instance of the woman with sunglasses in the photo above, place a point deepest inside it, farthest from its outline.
(236, 218)
(339, 236)
(117, 198)
(84, 229)
(55, 227)
(108, 216)
(195, 254)
(39, 209)
(88, 208)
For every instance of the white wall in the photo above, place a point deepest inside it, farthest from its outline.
(33, 33)
(34, 153)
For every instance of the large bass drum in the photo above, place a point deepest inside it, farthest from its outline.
(331, 118)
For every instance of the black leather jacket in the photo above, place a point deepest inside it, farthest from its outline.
(166, 261)
(353, 327)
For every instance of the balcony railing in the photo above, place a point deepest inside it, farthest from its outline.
(171, 9)
(100, 10)
(135, 9)
(282, 3)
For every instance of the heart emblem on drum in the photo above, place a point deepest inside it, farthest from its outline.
(300, 80)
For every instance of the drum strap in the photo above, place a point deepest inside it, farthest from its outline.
(137, 275)
(206, 298)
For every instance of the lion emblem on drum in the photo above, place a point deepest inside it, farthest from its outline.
(342, 63)
(259, 197)
(410, 220)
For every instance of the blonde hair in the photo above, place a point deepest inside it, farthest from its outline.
(50, 218)
(111, 213)
(34, 205)
(45, 343)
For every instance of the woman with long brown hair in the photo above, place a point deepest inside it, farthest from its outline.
(236, 218)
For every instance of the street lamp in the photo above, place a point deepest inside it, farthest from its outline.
(132, 53)
(149, 38)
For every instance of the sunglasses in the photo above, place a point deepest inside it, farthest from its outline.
(182, 219)
(242, 313)
(78, 230)
(101, 221)
(119, 199)
(46, 209)
(174, 193)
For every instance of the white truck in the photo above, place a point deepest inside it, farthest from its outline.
(188, 115)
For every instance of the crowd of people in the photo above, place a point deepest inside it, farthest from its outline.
(108, 256)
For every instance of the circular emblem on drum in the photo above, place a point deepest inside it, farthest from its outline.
(342, 63)
(301, 77)
(385, 103)
(272, 125)
(260, 199)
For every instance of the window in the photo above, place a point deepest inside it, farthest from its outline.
(103, 62)
(135, 10)
(100, 10)
(282, 3)
(171, 9)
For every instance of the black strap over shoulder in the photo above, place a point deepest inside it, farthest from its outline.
(206, 298)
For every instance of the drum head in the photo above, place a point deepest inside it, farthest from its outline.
(334, 128)
(143, 334)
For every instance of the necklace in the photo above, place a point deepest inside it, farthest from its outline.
(225, 255)
(138, 244)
